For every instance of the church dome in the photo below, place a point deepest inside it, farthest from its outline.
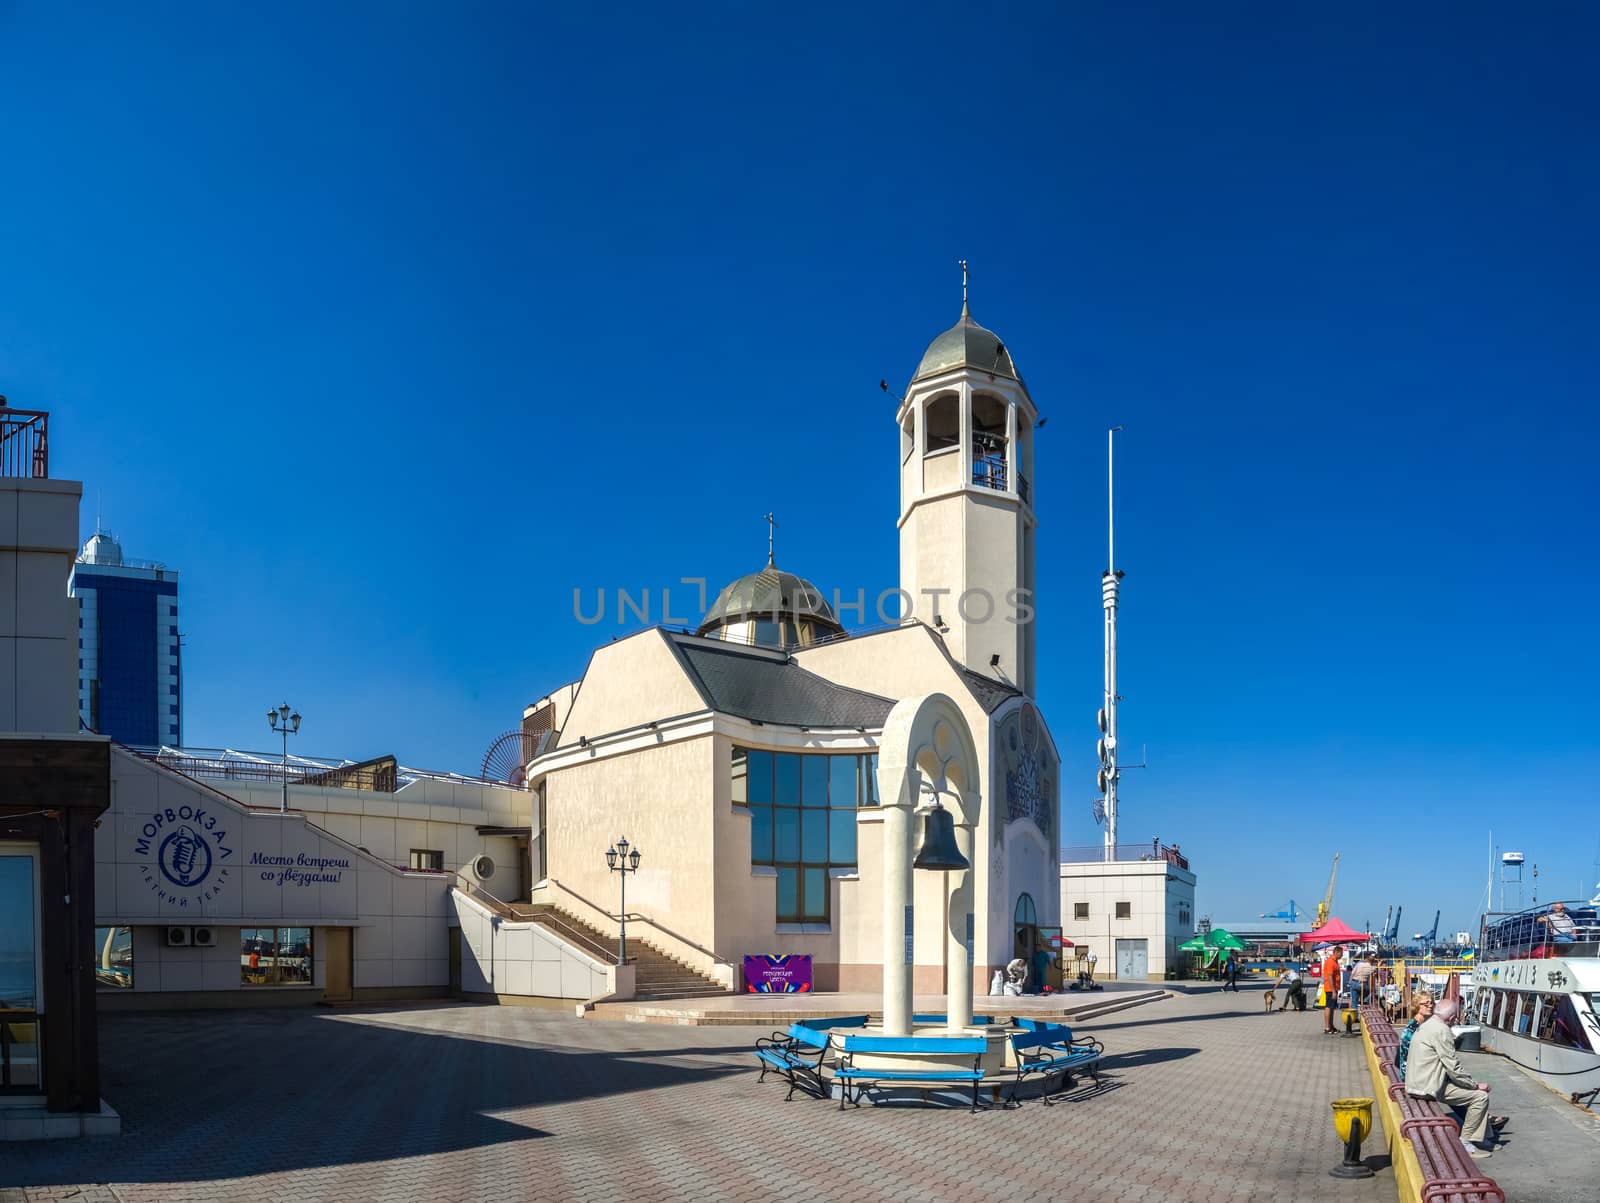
(967, 345)
(771, 608)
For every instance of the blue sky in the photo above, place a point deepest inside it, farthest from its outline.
(389, 326)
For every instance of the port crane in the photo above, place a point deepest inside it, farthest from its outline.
(1391, 931)
(1426, 942)
(1325, 907)
(1292, 914)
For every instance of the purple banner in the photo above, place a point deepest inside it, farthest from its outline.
(788, 974)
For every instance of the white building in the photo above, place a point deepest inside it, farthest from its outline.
(1132, 913)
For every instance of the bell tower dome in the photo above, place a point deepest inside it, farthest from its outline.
(966, 500)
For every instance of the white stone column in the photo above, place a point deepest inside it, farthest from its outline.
(1013, 452)
(897, 903)
(958, 970)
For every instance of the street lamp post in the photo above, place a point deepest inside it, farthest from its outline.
(620, 860)
(288, 724)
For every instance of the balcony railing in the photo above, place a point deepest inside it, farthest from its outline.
(990, 472)
(1152, 851)
(24, 442)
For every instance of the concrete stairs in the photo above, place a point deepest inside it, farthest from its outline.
(657, 976)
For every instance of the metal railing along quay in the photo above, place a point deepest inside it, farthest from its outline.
(1151, 851)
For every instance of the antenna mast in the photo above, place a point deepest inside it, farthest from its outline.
(1110, 585)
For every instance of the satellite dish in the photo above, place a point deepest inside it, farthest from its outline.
(1100, 750)
(1100, 780)
(1102, 721)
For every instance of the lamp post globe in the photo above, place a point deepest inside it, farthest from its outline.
(286, 723)
(622, 858)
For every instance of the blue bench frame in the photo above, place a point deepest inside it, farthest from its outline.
(1042, 1049)
(797, 1055)
(846, 1073)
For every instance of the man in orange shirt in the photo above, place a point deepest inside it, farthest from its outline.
(1330, 984)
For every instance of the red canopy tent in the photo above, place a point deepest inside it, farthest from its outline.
(1335, 931)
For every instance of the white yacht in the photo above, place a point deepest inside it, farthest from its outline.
(1537, 998)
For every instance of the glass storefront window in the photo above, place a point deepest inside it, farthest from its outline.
(19, 973)
(113, 957)
(275, 956)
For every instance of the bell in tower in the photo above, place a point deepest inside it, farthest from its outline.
(966, 500)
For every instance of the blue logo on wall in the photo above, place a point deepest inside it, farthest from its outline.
(184, 857)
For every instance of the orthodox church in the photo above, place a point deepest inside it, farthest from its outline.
(741, 760)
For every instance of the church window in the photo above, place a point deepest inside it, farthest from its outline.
(803, 820)
(908, 436)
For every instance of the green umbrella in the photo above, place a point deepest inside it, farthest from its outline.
(1216, 939)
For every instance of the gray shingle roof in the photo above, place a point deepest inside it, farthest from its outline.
(772, 689)
(991, 694)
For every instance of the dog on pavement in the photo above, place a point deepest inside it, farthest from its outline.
(1269, 998)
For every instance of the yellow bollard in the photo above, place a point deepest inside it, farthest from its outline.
(1352, 1120)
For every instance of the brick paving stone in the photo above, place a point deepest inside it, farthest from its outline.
(1205, 1098)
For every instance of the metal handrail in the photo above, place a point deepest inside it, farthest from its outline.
(24, 442)
(505, 911)
(1518, 935)
(636, 918)
(1153, 851)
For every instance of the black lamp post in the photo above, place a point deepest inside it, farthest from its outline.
(289, 724)
(621, 860)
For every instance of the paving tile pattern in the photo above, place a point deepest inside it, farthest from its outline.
(1206, 1100)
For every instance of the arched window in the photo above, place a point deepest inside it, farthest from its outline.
(944, 423)
(908, 436)
(988, 442)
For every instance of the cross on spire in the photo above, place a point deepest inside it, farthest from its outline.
(964, 311)
(772, 525)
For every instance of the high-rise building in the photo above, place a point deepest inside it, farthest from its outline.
(129, 680)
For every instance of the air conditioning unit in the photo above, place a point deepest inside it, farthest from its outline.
(178, 937)
(204, 937)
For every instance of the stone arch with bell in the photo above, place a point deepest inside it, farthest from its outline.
(927, 769)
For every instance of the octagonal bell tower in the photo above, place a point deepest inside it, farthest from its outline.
(966, 500)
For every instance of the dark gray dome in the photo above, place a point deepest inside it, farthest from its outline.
(771, 597)
(967, 345)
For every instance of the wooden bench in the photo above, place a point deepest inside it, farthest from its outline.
(1449, 1174)
(862, 1078)
(1042, 1049)
(797, 1056)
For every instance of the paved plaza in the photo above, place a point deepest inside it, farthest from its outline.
(1205, 1098)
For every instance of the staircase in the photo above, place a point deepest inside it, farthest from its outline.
(656, 975)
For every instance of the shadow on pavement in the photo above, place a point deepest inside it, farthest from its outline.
(231, 1095)
(1149, 1056)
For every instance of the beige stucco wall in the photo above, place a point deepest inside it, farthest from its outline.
(659, 796)
(627, 684)
(908, 662)
(38, 621)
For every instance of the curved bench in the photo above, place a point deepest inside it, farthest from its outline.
(1448, 1174)
(863, 1078)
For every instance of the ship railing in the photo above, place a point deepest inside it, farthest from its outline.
(1520, 935)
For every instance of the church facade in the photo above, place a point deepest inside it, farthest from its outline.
(741, 760)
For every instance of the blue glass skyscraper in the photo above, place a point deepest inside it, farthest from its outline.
(129, 679)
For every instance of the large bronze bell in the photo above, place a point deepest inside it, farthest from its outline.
(939, 851)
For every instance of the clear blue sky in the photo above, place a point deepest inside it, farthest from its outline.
(389, 326)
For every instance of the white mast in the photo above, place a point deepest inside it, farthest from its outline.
(1109, 586)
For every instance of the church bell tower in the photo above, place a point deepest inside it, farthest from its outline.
(966, 500)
